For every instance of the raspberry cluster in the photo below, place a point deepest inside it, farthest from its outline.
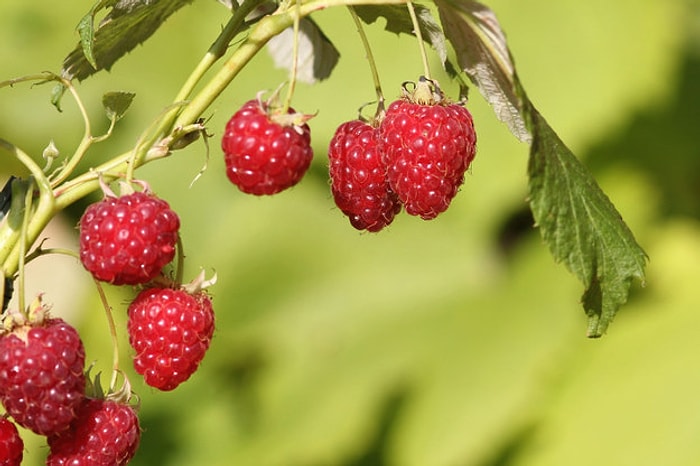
(129, 239)
(124, 240)
(43, 388)
(415, 157)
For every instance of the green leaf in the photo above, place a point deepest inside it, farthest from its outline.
(398, 21)
(117, 103)
(317, 54)
(578, 222)
(128, 23)
(86, 30)
(582, 227)
(482, 53)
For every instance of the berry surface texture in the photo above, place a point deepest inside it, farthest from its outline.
(358, 177)
(41, 375)
(104, 433)
(127, 240)
(265, 152)
(170, 331)
(427, 149)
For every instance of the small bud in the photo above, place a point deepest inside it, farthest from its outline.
(51, 152)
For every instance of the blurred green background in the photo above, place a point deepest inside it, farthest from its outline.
(444, 343)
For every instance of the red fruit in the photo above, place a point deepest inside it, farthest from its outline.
(170, 330)
(11, 445)
(105, 433)
(358, 177)
(127, 240)
(41, 375)
(427, 146)
(265, 152)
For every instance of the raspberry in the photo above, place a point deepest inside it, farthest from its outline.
(127, 240)
(266, 153)
(358, 177)
(104, 433)
(41, 375)
(170, 330)
(11, 445)
(428, 145)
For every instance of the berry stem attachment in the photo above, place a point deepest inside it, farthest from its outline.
(112, 333)
(295, 59)
(419, 36)
(370, 59)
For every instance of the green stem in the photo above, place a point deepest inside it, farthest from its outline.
(268, 27)
(216, 50)
(370, 59)
(39, 251)
(86, 183)
(419, 36)
(112, 124)
(85, 142)
(45, 210)
(32, 77)
(295, 59)
(180, 271)
(146, 141)
(264, 31)
(28, 200)
(112, 333)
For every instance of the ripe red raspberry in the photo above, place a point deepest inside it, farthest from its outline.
(104, 433)
(170, 330)
(127, 240)
(11, 445)
(41, 375)
(265, 152)
(427, 144)
(358, 177)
